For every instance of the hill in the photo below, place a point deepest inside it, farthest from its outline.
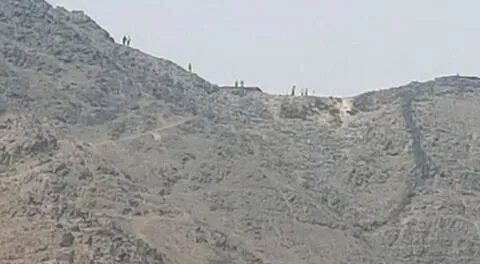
(109, 155)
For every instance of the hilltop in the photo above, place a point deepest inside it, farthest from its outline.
(109, 155)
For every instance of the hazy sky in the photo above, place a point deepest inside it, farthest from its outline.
(337, 47)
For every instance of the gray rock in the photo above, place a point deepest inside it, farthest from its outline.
(146, 162)
(67, 239)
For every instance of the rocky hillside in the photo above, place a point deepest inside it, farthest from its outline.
(109, 155)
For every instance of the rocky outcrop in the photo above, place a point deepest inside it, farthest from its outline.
(109, 155)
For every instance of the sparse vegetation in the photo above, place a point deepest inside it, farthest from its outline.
(109, 155)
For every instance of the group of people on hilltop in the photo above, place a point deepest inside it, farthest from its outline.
(303, 92)
(126, 40)
(242, 83)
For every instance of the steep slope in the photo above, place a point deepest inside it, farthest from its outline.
(109, 155)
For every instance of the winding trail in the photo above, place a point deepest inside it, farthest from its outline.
(152, 132)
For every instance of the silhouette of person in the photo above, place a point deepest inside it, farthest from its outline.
(128, 41)
(242, 83)
(190, 67)
(236, 83)
(124, 40)
(293, 90)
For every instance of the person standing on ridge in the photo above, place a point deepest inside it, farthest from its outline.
(128, 41)
(236, 83)
(293, 90)
(190, 67)
(124, 40)
(242, 83)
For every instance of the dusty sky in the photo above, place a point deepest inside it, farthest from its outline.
(341, 47)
